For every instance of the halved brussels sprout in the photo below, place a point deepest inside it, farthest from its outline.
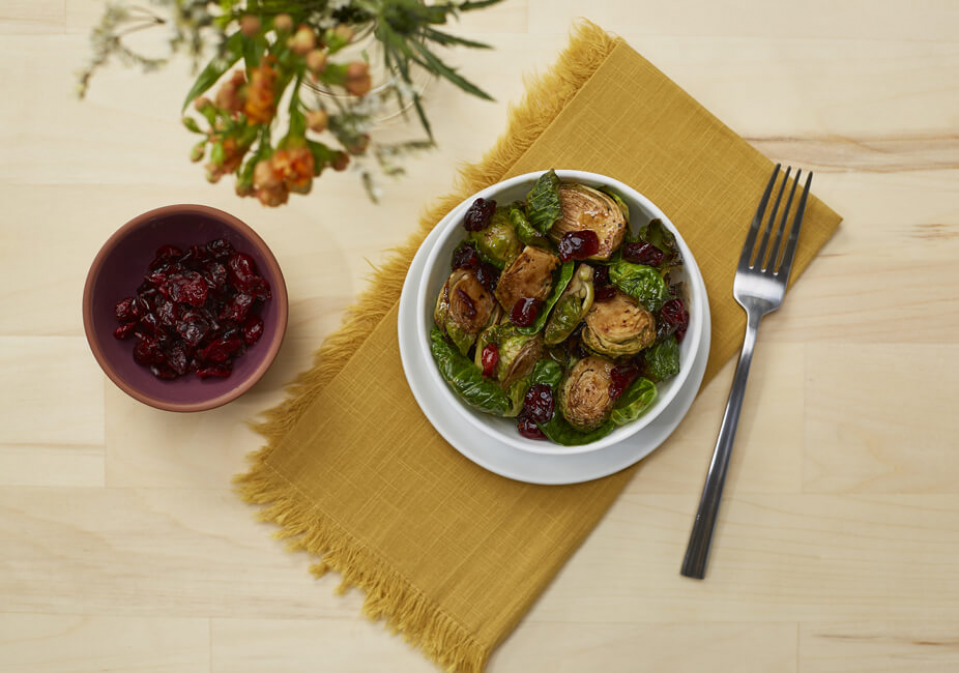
(587, 208)
(530, 275)
(464, 308)
(523, 228)
(572, 306)
(584, 394)
(619, 327)
(619, 201)
(498, 242)
(518, 354)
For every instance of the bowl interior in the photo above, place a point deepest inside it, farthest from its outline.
(120, 272)
(438, 269)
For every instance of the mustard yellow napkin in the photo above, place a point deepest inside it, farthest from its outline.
(449, 554)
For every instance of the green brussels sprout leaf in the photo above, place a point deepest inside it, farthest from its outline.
(643, 283)
(465, 379)
(662, 360)
(543, 207)
(634, 401)
(497, 243)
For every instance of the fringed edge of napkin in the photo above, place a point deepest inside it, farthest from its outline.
(388, 595)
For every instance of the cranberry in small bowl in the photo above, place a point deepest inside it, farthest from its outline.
(185, 308)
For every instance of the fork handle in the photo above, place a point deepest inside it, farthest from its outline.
(697, 552)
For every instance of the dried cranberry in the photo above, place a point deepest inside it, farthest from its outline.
(163, 372)
(604, 292)
(621, 376)
(147, 350)
(167, 312)
(538, 403)
(164, 255)
(188, 288)
(466, 303)
(643, 253)
(578, 245)
(674, 312)
(220, 350)
(215, 276)
(524, 311)
(193, 329)
(125, 310)
(488, 276)
(220, 249)
(600, 276)
(466, 257)
(479, 214)
(177, 360)
(214, 371)
(158, 279)
(125, 331)
(242, 272)
(252, 330)
(527, 427)
(490, 359)
(237, 309)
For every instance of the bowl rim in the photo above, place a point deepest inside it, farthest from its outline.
(279, 295)
(448, 226)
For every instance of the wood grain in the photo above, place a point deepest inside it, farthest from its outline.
(124, 548)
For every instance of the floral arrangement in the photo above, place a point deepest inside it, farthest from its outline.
(281, 60)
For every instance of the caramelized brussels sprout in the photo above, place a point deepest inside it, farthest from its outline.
(464, 308)
(584, 394)
(619, 327)
(518, 354)
(530, 275)
(587, 208)
(498, 242)
(572, 306)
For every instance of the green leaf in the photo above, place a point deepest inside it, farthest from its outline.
(662, 360)
(642, 283)
(431, 62)
(547, 371)
(252, 52)
(542, 203)
(191, 125)
(525, 231)
(466, 379)
(565, 274)
(322, 155)
(232, 50)
(477, 4)
(634, 402)
(656, 234)
(559, 430)
(450, 40)
(517, 394)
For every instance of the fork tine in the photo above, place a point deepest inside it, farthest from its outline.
(747, 253)
(775, 253)
(761, 255)
(787, 262)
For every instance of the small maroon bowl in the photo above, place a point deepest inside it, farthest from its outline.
(117, 272)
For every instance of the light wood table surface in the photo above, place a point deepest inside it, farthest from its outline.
(122, 547)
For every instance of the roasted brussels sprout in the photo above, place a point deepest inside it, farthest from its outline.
(588, 208)
(619, 327)
(518, 354)
(464, 308)
(634, 402)
(584, 394)
(572, 306)
(498, 242)
(530, 275)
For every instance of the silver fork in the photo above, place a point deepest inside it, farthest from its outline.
(759, 287)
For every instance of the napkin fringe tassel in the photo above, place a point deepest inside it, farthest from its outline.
(390, 596)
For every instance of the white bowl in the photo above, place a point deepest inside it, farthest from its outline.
(437, 270)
